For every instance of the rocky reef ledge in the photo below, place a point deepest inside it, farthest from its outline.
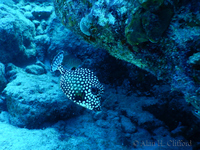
(159, 36)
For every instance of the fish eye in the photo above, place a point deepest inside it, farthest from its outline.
(73, 68)
(94, 90)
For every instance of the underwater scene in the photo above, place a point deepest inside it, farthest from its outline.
(99, 75)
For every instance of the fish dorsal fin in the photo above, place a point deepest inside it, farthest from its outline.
(57, 60)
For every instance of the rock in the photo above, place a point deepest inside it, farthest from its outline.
(32, 100)
(16, 36)
(3, 80)
(28, 15)
(194, 59)
(2, 104)
(99, 115)
(127, 125)
(30, 53)
(37, 1)
(27, 7)
(103, 124)
(4, 117)
(39, 30)
(42, 42)
(36, 22)
(35, 69)
(12, 70)
(44, 25)
(7, 2)
(39, 63)
(42, 12)
(151, 5)
(42, 28)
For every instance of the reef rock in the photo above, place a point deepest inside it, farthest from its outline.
(35, 99)
(158, 36)
(40, 13)
(42, 42)
(35, 69)
(127, 125)
(16, 36)
(3, 80)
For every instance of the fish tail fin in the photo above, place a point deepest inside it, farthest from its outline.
(57, 60)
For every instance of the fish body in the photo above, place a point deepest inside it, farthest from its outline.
(79, 85)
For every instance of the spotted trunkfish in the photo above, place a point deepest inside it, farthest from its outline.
(79, 85)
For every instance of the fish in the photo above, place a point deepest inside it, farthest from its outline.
(80, 85)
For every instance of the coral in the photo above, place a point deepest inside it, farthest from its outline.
(194, 59)
(158, 36)
(151, 5)
(134, 32)
(85, 25)
(155, 24)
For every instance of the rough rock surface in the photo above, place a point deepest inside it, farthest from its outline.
(34, 99)
(3, 80)
(42, 42)
(35, 69)
(16, 36)
(127, 125)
